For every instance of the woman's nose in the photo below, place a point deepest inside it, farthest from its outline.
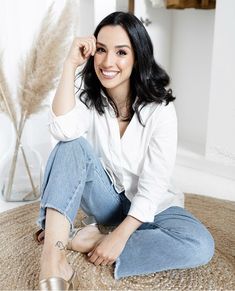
(109, 59)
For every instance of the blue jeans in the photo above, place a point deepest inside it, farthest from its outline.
(74, 178)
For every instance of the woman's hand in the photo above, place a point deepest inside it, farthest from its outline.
(107, 250)
(80, 51)
(111, 246)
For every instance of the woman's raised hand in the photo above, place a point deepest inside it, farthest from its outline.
(81, 49)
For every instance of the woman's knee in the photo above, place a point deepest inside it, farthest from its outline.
(203, 246)
(77, 144)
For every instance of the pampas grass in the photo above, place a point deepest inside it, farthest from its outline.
(6, 102)
(40, 71)
(38, 75)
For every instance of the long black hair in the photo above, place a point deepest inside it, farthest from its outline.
(148, 80)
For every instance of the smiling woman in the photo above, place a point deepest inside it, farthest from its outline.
(114, 160)
(113, 62)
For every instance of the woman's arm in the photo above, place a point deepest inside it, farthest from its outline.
(64, 99)
(80, 51)
(127, 227)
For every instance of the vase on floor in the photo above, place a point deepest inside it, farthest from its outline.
(20, 173)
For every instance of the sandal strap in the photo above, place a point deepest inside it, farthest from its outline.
(89, 220)
(71, 237)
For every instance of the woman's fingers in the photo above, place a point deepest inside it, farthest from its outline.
(93, 41)
(41, 236)
(107, 262)
(90, 48)
(87, 46)
(92, 257)
(82, 48)
(98, 261)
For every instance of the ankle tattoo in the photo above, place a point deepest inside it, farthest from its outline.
(61, 246)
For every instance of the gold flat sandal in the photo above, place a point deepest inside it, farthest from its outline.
(57, 283)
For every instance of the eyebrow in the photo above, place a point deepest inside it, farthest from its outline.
(116, 46)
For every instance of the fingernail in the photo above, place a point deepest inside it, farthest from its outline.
(89, 254)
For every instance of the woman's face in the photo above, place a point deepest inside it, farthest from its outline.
(114, 60)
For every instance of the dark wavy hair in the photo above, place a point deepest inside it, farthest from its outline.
(147, 81)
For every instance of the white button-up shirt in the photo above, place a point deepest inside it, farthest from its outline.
(141, 162)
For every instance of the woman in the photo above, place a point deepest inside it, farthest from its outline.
(114, 160)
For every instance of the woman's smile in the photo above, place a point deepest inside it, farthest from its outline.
(108, 74)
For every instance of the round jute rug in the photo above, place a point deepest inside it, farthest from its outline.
(19, 254)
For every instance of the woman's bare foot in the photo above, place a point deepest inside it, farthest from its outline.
(86, 239)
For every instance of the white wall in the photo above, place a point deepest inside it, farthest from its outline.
(220, 144)
(86, 16)
(102, 8)
(183, 43)
(190, 70)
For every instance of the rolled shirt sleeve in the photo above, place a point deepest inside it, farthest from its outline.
(152, 191)
(71, 125)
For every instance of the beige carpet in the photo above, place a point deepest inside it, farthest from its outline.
(19, 254)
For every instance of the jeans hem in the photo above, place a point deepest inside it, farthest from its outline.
(43, 217)
(117, 276)
(117, 264)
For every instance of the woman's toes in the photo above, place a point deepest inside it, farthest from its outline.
(41, 236)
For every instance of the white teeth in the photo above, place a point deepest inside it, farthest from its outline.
(109, 73)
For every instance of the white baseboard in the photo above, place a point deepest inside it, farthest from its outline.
(200, 182)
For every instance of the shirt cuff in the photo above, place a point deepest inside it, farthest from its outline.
(142, 209)
(62, 127)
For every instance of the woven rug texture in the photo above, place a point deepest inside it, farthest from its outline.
(20, 255)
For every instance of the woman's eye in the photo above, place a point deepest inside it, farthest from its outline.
(100, 50)
(121, 53)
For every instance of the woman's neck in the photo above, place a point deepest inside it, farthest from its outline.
(122, 101)
(123, 105)
(120, 95)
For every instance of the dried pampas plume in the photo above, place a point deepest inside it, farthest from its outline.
(6, 103)
(40, 71)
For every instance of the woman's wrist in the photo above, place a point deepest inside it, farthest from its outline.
(68, 65)
(127, 227)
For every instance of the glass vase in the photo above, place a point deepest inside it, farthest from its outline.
(21, 173)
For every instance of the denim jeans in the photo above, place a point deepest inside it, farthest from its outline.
(75, 178)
